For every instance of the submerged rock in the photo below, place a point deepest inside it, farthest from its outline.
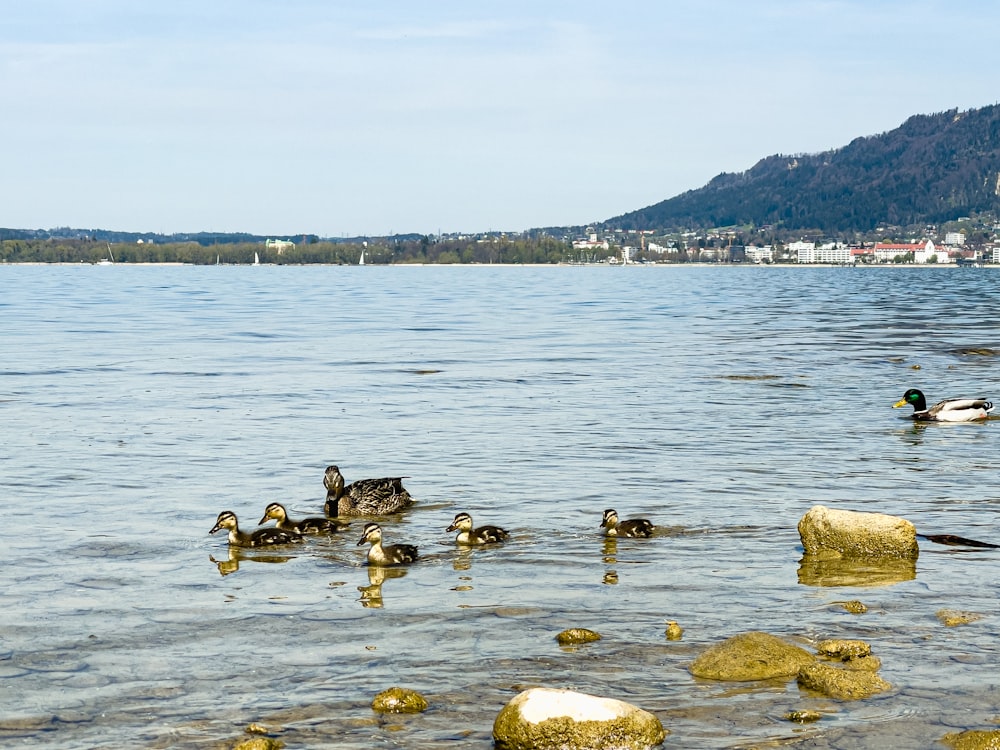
(855, 607)
(952, 617)
(844, 684)
(751, 656)
(577, 635)
(674, 631)
(397, 700)
(552, 719)
(830, 533)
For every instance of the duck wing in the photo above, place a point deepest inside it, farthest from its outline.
(490, 534)
(378, 496)
(959, 410)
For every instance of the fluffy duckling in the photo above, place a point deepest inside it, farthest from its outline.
(468, 535)
(365, 497)
(949, 410)
(379, 554)
(635, 527)
(313, 525)
(256, 538)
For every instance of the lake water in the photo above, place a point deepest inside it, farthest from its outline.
(722, 403)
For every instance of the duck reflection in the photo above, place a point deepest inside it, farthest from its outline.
(914, 434)
(240, 554)
(609, 556)
(462, 559)
(371, 595)
(610, 550)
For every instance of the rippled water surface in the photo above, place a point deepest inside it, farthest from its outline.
(722, 403)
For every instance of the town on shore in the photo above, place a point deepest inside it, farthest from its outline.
(586, 246)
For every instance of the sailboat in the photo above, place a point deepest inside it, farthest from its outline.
(256, 259)
(105, 261)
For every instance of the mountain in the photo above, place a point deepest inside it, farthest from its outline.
(931, 169)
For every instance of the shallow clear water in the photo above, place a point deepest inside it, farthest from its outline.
(722, 403)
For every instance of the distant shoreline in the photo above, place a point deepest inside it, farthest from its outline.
(920, 266)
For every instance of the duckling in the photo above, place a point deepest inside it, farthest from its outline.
(949, 410)
(635, 527)
(469, 535)
(313, 525)
(256, 538)
(378, 554)
(365, 497)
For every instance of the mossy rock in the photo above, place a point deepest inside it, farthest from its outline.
(260, 743)
(577, 635)
(973, 739)
(550, 719)
(844, 649)
(751, 656)
(397, 700)
(842, 684)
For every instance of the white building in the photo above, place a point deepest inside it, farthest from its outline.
(801, 250)
(955, 239)
(760, 254)
(830, 252)
(279, 245)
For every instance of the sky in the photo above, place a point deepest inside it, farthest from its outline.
(347, 119)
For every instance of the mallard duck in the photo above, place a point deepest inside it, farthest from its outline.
(313, 525)
(468, 535)
(365, 497)
(378, 554)
(256, 538)
(949, 410)
(634, 527)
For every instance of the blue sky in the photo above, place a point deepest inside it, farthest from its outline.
(370, 118)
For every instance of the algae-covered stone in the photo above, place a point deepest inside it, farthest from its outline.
(844, 684)
(674, 631)
(397, 700)
(973, 739)
(259, 743)
(828, 532)
(751, 656)
(552, 719)
(844, 649)
(855, 607)
(952, 617)
(805, 716)
(577, 635)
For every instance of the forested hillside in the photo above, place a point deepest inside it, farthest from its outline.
(931, 169)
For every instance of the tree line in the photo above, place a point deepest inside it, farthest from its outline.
(384, 252)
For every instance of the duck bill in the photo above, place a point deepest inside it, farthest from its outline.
(264, 520)
(362, 540)
(453, 527)
(215, 528)
(901, 402)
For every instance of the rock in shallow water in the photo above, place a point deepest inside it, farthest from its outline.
(827, 532)
(844, 684)
(751, 656)
(397, 700)
(552, 719)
